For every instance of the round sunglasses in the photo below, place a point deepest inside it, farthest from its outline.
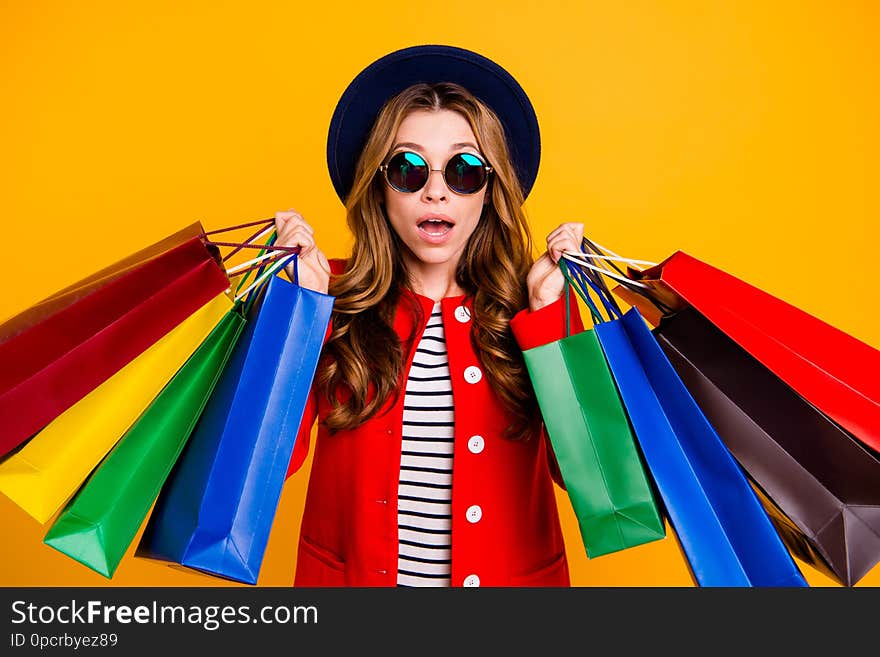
(464, 173)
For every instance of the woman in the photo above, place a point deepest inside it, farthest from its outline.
(431, 467)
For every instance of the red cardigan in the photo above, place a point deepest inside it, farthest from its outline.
(348, 535)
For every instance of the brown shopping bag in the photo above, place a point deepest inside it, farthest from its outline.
(819, 484)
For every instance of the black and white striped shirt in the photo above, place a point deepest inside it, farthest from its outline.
(424, 507)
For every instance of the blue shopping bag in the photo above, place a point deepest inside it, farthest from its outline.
(216, 510)
(725, 533)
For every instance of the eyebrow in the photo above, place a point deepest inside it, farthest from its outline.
(416, 147)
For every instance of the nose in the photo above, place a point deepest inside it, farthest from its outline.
(435, 189)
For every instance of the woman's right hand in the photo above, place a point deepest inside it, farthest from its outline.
(314, 270)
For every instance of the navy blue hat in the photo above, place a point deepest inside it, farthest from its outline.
(386, 77)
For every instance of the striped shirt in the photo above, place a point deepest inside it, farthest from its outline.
(424, 507)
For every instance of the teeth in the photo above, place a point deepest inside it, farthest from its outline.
(435, 227)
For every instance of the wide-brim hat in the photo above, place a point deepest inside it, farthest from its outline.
(361, 101)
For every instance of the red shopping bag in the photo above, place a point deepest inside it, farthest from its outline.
(834, 371)
(54, 357)
(63, 298)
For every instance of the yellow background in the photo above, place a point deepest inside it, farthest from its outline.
(745, 133)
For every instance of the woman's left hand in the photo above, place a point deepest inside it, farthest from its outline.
(545, 281)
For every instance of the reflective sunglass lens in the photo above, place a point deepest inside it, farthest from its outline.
(465, 173)
(407, 172)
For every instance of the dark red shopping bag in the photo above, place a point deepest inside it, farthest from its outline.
(829, 368)
(54, 357)
(60, 300)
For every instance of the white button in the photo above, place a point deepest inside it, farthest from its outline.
(462, 314)
(472, 374)
(474, 513)
(471, 580)
(476, 444)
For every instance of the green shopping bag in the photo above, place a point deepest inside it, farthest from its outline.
(604, 475)
(103, 518)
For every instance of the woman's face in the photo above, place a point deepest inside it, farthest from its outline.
(436, 136)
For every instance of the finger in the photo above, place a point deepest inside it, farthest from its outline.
(281, 222)
(560, 245)
(568, 233)
(570, 225)
(564, 232)
(295, 227)
(555, 233)
(297, 220)
(291, 216)
(292, 219)
(575, 230)
(286, 215)
(296, 237)
(564, 240)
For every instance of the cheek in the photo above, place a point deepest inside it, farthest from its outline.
(473, 209)
(396, 210)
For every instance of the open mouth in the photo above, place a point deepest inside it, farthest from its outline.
(435, 227)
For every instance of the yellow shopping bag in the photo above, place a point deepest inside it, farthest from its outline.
(50, 468)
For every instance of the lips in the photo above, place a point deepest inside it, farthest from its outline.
(435, 228)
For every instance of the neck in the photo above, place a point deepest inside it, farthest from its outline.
(435, 281)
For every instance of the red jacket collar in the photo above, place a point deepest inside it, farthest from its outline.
(404, 320)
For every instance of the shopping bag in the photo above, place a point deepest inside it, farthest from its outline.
(215, 512)
(100, 523)
(60, 300)
(726, 535)
(57, 361)
(834, 371)
(605, 479)
(48, 469)
(819, 484)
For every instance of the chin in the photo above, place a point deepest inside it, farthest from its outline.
(434, 257)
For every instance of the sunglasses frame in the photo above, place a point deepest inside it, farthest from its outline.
(383, 169)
